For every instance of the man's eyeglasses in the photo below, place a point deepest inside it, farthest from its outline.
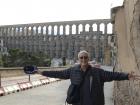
(83, 57)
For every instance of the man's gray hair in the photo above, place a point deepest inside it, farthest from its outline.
(83, 51)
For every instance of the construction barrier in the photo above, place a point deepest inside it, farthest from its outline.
(16, 88)
(25, 85)
(36, 83)
(29, 85)
(45, 81)
(8, 89)
(52, 79)
(2, 92)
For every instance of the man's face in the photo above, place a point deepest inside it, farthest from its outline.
(83, 59)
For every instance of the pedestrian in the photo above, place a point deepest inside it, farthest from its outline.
(92, 86)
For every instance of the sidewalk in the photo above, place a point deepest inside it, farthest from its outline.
(108, 90)
(18, 79)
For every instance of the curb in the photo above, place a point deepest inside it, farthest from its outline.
(2, 91)
(25, 86)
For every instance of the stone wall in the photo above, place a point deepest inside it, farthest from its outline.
(126, 21)
(18, 71)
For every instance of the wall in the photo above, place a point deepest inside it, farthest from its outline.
(18, 71)
(126, 21)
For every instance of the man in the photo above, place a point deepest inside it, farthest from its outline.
(91, 90)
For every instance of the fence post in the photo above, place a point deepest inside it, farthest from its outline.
(29, 77)
(0, 80)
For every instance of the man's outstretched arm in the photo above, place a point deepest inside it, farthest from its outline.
(64, 74)
(110, 76)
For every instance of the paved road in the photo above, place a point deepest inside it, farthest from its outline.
(51, 94)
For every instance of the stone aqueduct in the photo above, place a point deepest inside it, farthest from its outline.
(60, 39)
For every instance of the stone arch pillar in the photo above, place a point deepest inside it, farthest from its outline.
(55, 30)
(61, 31)
(77, 47)
(105, 30)
(24, 30)
(64, 29)
(58, 47)
(6, 31)
(52, 33)
(90, 28)
(64, 46)
(37, 30)
(42, 30)
(32, 30)
(27, 30)
(83, 27)
(58, 30)
(22, 33)
(14, 31)
(77, 29)
(70, 29)
(98, 27)
(0, 32)
(17, 31)
(69, 47)
(52, 48)
(11, 31)
(106, 36)
(46, 30)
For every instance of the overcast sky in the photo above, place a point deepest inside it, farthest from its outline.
(34, 11)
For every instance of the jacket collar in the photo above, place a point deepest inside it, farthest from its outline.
(78, 67)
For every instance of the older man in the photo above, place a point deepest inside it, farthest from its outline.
(91, 88)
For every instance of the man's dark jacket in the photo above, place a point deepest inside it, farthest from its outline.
(99, 76)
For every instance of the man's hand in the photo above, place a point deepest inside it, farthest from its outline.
(132, 76)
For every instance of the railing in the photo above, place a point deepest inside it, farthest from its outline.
(20, 75)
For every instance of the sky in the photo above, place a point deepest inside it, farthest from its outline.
(37, 11)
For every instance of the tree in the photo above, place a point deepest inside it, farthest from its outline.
(18, 58)
(1, 61)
